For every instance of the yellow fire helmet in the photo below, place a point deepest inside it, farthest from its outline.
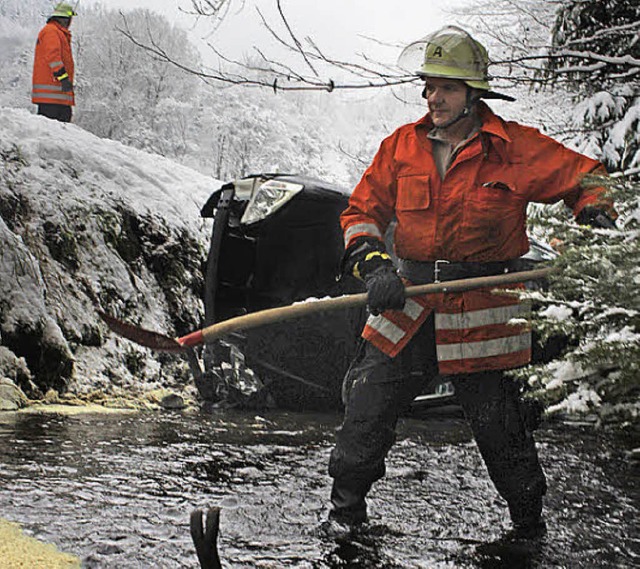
(451, 53)
(63, 10)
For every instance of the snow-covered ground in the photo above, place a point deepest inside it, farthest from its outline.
(89, 223)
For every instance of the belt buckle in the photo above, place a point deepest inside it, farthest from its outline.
(436, 269)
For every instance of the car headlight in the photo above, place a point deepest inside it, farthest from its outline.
(270, 197)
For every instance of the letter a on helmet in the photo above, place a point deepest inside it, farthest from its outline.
(63, 10)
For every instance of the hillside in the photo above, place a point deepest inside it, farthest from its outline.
(88, 223)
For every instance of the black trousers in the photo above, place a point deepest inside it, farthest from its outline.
(60, 113)
(377, 389)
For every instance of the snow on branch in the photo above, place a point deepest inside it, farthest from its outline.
(624, 60)
(611, 31)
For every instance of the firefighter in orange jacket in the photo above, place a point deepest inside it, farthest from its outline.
(457, 182)
(53, 66)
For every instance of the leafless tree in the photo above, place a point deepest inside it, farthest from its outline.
(519, 32)
(312, 69)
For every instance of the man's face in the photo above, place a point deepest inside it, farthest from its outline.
(64, 22)
(446, 98)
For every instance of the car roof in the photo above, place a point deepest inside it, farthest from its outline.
(310, 183)
(313, 188)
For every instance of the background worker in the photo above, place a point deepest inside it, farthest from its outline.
(53, 68)
(457, 182)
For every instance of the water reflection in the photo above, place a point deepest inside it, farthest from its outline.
(117, 491)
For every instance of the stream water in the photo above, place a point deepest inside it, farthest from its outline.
(117, 491)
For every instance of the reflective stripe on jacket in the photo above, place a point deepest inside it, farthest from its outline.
(52, 55)
(475, 331)
(477, 212)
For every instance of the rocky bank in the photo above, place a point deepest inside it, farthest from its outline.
(88, 224)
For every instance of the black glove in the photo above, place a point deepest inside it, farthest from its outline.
(363, 255)
(385, 289)
(368, 260)
(66, 85)
(596, 218)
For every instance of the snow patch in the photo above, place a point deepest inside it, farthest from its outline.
(557, 312)
(581, 401)
(90, 223)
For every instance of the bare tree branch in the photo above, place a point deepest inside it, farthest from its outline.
(302, 52)
(273, 73)
(526, 61)
(624, 60)
(355, 158)
(582, 59)
(215, 10)
(296, 82)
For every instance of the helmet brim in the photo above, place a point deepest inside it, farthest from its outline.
(445, 72)
(482, 86)
(494, 95)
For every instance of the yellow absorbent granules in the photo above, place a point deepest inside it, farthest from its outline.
(18, 551)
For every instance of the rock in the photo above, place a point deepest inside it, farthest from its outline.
(172, 401)
(12, 367)
(111, 231)
(11, 396)
(51, 396)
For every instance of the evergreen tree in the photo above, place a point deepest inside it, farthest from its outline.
(596, 51)
(593, 303)
(593, 298)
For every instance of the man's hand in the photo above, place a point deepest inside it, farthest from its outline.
(385, 289)
(368, 260)
(66, 85)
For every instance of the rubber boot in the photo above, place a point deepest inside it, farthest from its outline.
(521, 545)
(348, 504)
(526, 513)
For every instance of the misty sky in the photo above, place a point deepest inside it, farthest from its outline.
(337, 26)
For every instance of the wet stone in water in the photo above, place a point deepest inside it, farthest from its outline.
(172, 401)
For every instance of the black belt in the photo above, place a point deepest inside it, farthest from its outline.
(424, 272)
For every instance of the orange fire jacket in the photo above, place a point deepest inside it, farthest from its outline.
(477, 212)
(52, 56)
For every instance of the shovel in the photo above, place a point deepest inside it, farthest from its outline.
(160, 342)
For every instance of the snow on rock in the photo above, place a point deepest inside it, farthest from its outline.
(89, 223)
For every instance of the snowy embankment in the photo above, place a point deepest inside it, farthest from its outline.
(88, 223)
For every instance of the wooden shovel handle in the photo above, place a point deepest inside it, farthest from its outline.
(306, 308)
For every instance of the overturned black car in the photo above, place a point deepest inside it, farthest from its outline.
(276, 240)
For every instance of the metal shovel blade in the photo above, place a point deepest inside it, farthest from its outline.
(142, 336)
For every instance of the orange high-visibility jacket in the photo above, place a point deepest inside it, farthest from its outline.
(476, 213)
(52, 57)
